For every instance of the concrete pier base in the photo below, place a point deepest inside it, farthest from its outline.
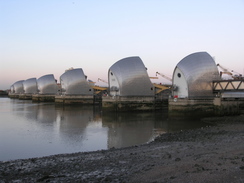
(190, 108)
(74, 99)
(13, 95)
(25, 96)
(43, 98)
(229, 106)
(205, 107)
(118, 103)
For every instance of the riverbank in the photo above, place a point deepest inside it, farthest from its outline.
(211, 154)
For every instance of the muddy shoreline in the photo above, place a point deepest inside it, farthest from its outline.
(211, 154)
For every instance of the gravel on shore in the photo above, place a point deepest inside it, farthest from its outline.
(211, 154)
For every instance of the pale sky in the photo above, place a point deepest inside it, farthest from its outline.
(49, 36)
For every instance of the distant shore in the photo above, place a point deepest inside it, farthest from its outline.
(3, 93)
(211, 154)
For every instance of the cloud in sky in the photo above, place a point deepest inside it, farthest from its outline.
(42, 37)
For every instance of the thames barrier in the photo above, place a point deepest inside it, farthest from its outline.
(196, 86)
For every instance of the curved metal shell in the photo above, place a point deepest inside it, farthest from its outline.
(12, 89)
(17, 87)
(47, 84)
(73, 82)
(194, 74)
(30, 86)
(128, 77)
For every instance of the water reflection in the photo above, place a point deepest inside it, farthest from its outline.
(82, 125)
(127, 129)
(40, 129)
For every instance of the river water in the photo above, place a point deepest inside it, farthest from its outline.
(30, 129)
